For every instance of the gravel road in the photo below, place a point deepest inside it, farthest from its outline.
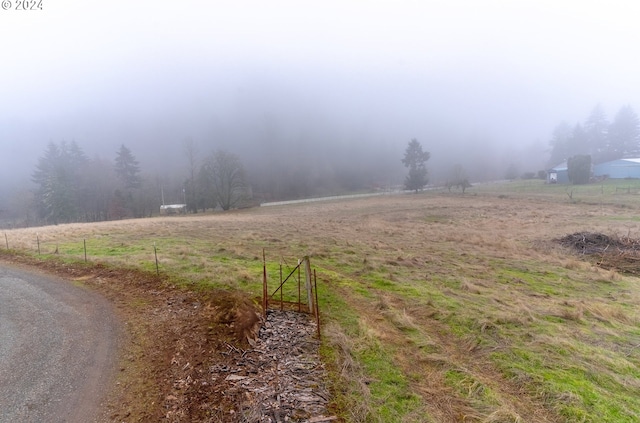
(58, 345)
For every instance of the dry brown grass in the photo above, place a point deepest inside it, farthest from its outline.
(441, 262)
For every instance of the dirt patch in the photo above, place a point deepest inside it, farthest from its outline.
(199, 356)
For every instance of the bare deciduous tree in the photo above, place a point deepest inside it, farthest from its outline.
(225, 176)
(191, 189)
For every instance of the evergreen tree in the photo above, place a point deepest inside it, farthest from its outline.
(58, 176)
(578, 141)
(579, 169)
(624, 135)
(559, 144)
(415, 159)
(596, 128)
(127, 168)
(128, 172)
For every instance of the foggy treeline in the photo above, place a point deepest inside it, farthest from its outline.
(68, 185)
(71, 187)
(598, 137)
(268, 161)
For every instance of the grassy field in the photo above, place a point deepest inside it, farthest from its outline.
(436, 307)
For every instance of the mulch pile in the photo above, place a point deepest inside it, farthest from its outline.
(280, 378)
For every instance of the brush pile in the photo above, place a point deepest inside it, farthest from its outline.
(597, 243)
(610, 252)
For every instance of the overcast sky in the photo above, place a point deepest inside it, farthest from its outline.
(235, 73)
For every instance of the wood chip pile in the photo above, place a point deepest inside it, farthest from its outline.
(280, 379)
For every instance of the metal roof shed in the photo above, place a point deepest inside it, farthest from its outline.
(619, 169)
(558, 174)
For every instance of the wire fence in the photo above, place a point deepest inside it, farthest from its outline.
(303, 296)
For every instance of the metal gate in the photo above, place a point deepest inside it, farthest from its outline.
(310, 291)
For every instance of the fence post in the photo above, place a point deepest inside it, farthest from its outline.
(299, 299)
(84, 241)
(6, 240)
(155, 252)
(38, 241)
(281, 289)
(265, 303)
(307, 270)
(317, 308)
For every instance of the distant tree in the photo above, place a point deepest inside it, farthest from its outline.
(96, 188)
(458, 178)
(458, 173)
(117, 205)
(22, 207)
(559, 144)
(128, 172)
(58, 178)
(127, 168)
(206, 188)
(579, 169)
(415, 159)
(511, 173)
(225, 176)
(578, 141)
(596, 129)
(149, 196)
(190, 186)
(624, 135)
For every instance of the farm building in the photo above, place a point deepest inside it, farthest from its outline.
(173, 209)
(558, 174)
(619, 169)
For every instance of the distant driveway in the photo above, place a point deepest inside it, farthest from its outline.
(57, 349)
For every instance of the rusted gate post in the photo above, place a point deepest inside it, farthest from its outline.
(317, 307)
(307, 270)
(264, 286)
(281, 289)
(299, 299)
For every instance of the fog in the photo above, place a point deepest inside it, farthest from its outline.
(329, 86)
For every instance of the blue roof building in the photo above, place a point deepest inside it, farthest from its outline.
(619, 169)
(558, 174)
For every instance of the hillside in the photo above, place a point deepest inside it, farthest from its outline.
(435, 307)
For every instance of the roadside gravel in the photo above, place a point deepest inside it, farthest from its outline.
(58, 346)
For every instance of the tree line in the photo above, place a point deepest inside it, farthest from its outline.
(598, 138)
(71, 187)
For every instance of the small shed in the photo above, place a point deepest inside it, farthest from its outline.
(619, 169)
(173, 209)
(558, 174)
